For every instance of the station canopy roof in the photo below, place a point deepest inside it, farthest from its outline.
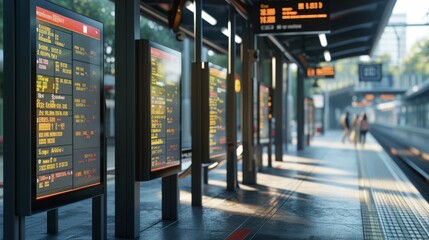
(356, 26)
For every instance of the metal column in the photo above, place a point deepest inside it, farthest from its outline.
(278, 109)
(287, 106)
(186, 94)
(14, 225)
(52, 221)
(248, 48)
(170, 197)
(231, 119)
(300, 109)
(99, 216)
(197, 154)
(127, 190)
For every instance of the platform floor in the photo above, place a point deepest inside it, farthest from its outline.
(331, 190)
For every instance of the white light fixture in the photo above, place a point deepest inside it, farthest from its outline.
(207, 17)
(365, 58)
(225, 32)
(273, 72)
(327, 56)
(210, 53)
(323, 40)
(109, 49)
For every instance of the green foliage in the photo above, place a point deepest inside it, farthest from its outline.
(219, 59)
(158, 33)
(102, 11)
(417, 62)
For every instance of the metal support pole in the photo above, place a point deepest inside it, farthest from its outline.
(52, 221)
(206, 174)
(198, 31)
(186, 94)
(14, 225)
(326, 111)
(99, 217)
(270, 151)
(278, 109)
(231, 120)
(260, 152)
(286, 105)
(10, 219)
(300, 110)
(170, 197)
(127, 190)
(248, 48)
(259, 146)
(197, 185)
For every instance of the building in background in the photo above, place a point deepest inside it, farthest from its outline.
(393, 41)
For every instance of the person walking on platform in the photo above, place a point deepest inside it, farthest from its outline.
(364, 127)
(354, 135)
(344, 121)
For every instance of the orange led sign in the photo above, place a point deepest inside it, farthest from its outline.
(321, 72)
(292, 17)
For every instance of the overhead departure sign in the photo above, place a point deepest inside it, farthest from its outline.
(321, 72)
(291, 17)
(370, 72)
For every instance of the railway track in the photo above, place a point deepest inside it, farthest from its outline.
(413, 161)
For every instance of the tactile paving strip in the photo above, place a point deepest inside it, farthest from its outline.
(370, 222)
(391, 207)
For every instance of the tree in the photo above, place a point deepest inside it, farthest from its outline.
(417, 62)
(102, 11)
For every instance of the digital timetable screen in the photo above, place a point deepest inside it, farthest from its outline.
(264, 95)
(68, 102)
(217, 111)
(165, 76)
(158, 111)
(291, 17)
(321, 72)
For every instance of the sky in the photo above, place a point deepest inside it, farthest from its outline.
(417, 12)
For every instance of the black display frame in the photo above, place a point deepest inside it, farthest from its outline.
(143, 112)
(28, 203)
(218, 157)
(379, 70)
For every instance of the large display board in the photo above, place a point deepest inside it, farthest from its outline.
(217, 112)
(264, 95)
(291, 17)
(158, 110)
(68, 163)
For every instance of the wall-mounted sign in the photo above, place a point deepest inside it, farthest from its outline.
(321, 72)
(217, 112)
(67, 99)
(158, 111)
(264, 111)
(291, 17)
(370, 72)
